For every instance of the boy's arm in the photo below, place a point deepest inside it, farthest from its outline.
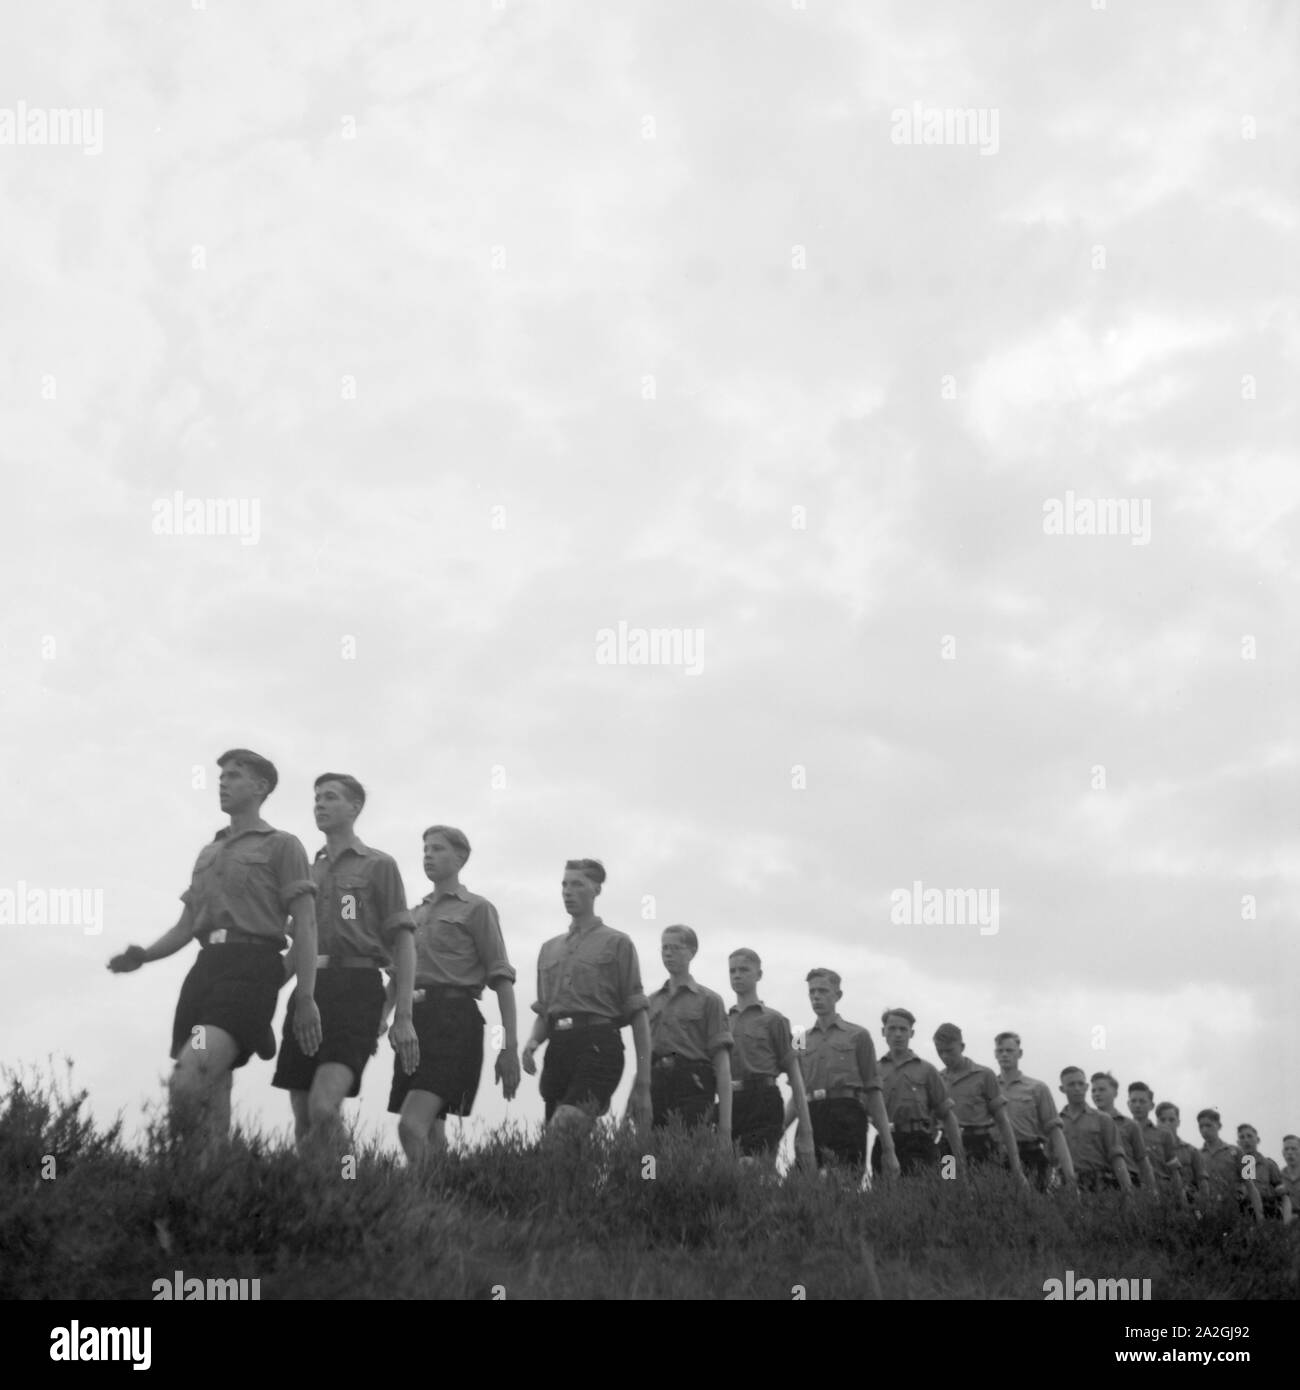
(167, 944)
(952, 1130)
(507, 1063)
(638, 1103)
(536, 1038)
(798, 1106)
(1062, 1150)
(402, 1035)
(880, 1118)
(1003, 1121)
(306, 1016)
(722, 1075)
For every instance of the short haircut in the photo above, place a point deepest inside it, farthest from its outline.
(1103, 1076)
(1247, 1126)
(1006, 1037)
(592, 869)
(1070, 1071)
(1287, 1138)
(1167, 1107)
(686, 934)
(1209, 1115)
(1141, 1086)
(457, 839)
(352, 789)
(252, 762)
(821, 970)
(745, 953)
(899, 1013)
(948, 1033)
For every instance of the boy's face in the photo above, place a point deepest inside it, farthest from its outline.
(898, 1032)
(1008, 1054)
(440, 858)
(745, 974)
(1291, 1152)
(1248, 1139)
(238, 790)
(1074, 1087)
(1209, 1129)
(1139, 1106)
(674, 952)
(333, 809)
(1168, 1119)
(1103, 1095)
(823, 996)
(578, 892)
(949, 1052)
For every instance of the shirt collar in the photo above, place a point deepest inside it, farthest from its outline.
(736, 1009)
(911, 1057)
(834, 1021)
(586, 931)
(356, 847)
(261, 828)
(461, 892)
(688, 983)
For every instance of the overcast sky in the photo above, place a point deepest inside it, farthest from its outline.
(508, 324)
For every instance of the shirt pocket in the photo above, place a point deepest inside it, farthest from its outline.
(588, 973)
(841, 1062)
(352, 900)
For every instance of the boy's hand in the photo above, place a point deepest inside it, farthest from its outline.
(405, 1043)
(130, 959)
(529, 1065)
(306, 1026)
(507, 1071)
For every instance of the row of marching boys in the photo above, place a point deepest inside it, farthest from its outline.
(252, 889)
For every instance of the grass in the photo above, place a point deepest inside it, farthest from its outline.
(606, 1217)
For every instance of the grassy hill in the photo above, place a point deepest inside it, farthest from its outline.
(608, 1217)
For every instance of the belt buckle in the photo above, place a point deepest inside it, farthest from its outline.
(322, 962)
(819, 1094)
(418, 996)
(565, 1022)
(218, 937)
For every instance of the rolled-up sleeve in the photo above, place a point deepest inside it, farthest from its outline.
(993, 1096)
(631, 993)
(866, 1054)
(485, 928)
(390, 902)
(1110, 1141)
(292, 873)
(937, 1092)
(782, 1042)
(716, 1024)
(1048, 1118)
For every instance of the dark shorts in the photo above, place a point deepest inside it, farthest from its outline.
(839, 1129)
(233, 988)
(1034, 1162)
(978, 1146)
(450, 1030)
(351, 1003)
(917, 1153)
(1097, 1180)
(687, 1090)
(757, 1120)
(582, 1067)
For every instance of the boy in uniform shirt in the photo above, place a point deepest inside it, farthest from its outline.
(362, 921)
(588, 987)
(978, 1103)
(458, 950)
(1190, 1162)
(841, 1081)
(1223, 1173)
(690, 1042)
(1274, 1195)
(1160, 1145)
(763, 1047)
(1291, 1169)
(244, 883)
(1105, 1092)
(916, 1100)
(1033, 1117)
(1096, 1150)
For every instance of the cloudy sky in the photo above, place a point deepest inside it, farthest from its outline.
(506, 323)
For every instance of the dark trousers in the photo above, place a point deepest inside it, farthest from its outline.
(757, 1120)
(978, 1145)
(1097, 1180)
(685, 1089)
(917, 1153)
(1034, 1161)
(839, 1129)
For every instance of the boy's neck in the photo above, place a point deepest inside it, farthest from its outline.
(750, 996)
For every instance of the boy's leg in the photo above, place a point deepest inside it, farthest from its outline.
(329, 1088)
(200, 1082)
(301, 1118)
(417, 1123)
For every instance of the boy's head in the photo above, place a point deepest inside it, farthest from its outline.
(745, 968)
(1074, 1085)
(898, 1027)
(1248, 1138)
(677, 946)
(1167, 1115)
(445, 851)
(246, 780)
(948, 1044)
(1140, 1101)
(1007, 1050)
(1291, 1150)
(1209, 1123)
(1104, 1090)
(581, 885)
(824, 991)
(338, 800)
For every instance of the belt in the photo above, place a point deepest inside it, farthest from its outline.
(914, 1127)
(563, 1022)
(974, 1131)
(836, 1093)
(427, 992)
(347, 963)
(1029, 1143)
(232, 936)
(754, 1083)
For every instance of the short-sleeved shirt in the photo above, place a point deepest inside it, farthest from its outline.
(836, 1053)
(1222, 1166)
(1192, 1161)
(247, 882)
(1093, 1139)
(1131, 1141)
(1291, 1184)
(593, 971)
(458, 941)
(974, 1093)
(763, 1042)
(689, 1021)
(1029, 1106)
(1162, 1150)
(914, 1091)
(1268, 1177)
(360, 903)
